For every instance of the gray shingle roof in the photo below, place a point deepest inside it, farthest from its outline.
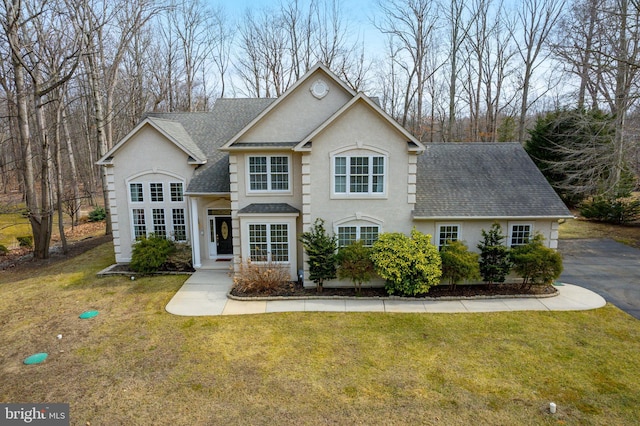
(269, 208)
(482, 180)
(211, 130)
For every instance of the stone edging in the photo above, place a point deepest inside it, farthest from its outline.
(400, 298)
(108, 271)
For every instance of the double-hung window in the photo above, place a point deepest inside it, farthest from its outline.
(179, 225)
(448, 233)
(139, 223)
(359, 174)
(269, 242)
(350, 234)
(269, 173)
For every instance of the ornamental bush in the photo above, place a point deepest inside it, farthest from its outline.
(536, 263)
(260, 277)
(354, 264)
(98, 214)
(3, 250)
(458, 263)
(150, 253)
(410, 265)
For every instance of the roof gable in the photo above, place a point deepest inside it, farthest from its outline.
(413, 143)
(310, 108)
(171, 130)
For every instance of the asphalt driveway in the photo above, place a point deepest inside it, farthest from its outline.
(606, 267)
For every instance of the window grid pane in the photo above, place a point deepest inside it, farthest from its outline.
(159, 225)
(368, 235)
(279, 173)
(447, 233)
(347, 235)
(279, 243)
(520, 234)
(377, 178)
(340, 178)
(179, 225)
(136, 192)
(156, 192)
(258, 243)
(359, 175)
(258, 173)
(176, 192)
(139, 224)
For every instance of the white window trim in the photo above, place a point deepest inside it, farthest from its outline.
(269, 182)
(139, 203)
(510, 235)
(162, 184)
(358, 227)
(269, 224)
(170, 200)
(440, 225)
(358, 220)
(355, 195)
(150, 226)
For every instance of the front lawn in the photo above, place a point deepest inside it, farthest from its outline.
(136, 364)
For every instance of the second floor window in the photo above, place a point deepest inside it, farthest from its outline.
(157, 196)
(269, 173)
(359, 175)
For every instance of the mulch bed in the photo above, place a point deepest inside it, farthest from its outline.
(477, 290)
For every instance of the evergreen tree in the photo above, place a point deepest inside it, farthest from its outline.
(494, 256)
(321, 251)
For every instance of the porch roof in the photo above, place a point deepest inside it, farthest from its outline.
(269, 208)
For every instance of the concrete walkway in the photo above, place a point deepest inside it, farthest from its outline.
(205, 293)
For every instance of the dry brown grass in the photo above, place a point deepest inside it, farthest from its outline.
(581, 228)
(135, 364)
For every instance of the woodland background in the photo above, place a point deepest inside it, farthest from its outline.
(77, 75)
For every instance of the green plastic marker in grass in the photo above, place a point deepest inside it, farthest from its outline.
(36, 358)
(88, 314)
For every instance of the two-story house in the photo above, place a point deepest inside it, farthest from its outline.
(246, 179)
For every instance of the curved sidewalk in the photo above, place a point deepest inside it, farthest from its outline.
(205, 293)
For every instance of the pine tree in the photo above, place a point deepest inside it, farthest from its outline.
(321, 251)
(494, 256)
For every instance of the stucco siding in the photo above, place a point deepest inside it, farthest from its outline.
(299, 113)
(360, 132)
(147, 157)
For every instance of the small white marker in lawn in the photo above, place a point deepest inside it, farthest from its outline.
(132, 278)
(552, 408)
(59, 336)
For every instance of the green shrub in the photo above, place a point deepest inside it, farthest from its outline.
(494, 256)
(261, 277)
(536, 263)
(180, 260)
(458, 263)
(3, 250)
(98, 214)
(321, 251)
(410, 265)
(149, 254)
(354, 264)
(618, 211)
(26, 241)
